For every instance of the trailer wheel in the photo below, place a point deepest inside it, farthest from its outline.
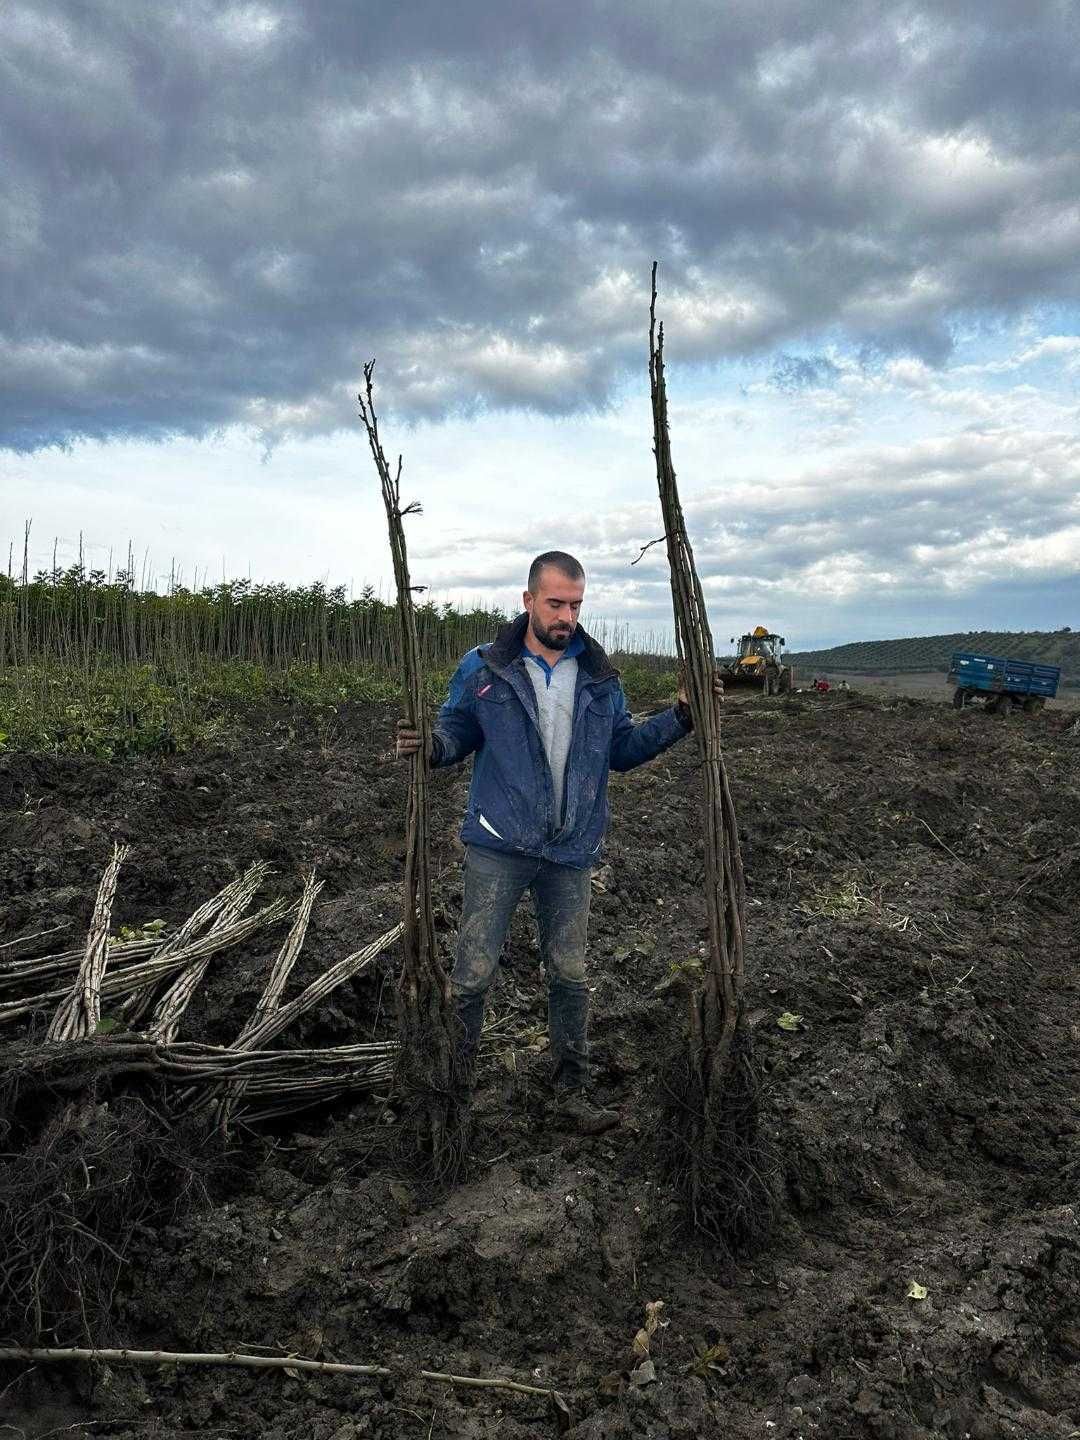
(960, 698)
(1033, 704)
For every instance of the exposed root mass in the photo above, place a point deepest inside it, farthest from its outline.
(75, 1189)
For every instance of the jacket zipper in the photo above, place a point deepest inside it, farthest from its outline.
(533, 713)
(579, 712)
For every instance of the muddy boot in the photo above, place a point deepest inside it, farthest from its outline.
(568, 1018)
(470, 1017)
(575, 1111)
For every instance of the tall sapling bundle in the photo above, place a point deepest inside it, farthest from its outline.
(712, 1145)
(427, 1071)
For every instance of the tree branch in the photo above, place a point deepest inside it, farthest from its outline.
(659, 541)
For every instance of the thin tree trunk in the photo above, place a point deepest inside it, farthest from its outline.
(427, 1078)
(712, 1145)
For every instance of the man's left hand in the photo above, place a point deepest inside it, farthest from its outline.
(718, 690)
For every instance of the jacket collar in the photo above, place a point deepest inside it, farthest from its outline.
(507, 646)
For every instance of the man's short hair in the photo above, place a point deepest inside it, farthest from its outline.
(559, 560)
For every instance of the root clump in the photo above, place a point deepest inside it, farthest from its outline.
(80, 1182)
(716, 1154)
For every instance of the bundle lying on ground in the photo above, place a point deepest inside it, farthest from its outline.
(192, 1074)
(77, 1056)
(105, 1129)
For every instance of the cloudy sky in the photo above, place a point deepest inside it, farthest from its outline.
(868, 223)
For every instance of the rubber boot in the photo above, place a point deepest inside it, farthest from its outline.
(470, 1017)
(568, 1021)
(568, 1017)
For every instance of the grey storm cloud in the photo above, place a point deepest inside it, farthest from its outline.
(212, 215)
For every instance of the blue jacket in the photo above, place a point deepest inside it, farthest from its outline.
(491, 711)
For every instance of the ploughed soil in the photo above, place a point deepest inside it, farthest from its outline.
(920, 684)
(914, 899)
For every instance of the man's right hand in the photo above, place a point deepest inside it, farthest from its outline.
(408, 740)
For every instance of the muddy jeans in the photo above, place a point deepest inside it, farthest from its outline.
(494, 884)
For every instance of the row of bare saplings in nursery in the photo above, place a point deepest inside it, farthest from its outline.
(149, 982)
(72, 617)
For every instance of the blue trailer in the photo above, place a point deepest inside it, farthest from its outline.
(1001, 684)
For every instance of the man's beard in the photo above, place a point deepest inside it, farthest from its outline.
(553, 639)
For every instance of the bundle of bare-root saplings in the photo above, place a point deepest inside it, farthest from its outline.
(105, 1112)
(712, 1144)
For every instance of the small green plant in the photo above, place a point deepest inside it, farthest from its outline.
(708, 1359)
(690, 968)
(152, 930)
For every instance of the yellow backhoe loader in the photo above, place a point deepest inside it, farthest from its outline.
(758, 664)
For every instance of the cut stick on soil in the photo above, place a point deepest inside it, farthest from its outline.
(712, 1145)
(80, 1013)
(241, 1361)
(966, 864)
(427, 1076)
(8, 948)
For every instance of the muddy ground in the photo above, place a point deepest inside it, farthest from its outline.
(914, 878)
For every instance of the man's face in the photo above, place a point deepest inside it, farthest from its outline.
(553, 610)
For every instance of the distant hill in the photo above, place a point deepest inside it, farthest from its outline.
(932, 652)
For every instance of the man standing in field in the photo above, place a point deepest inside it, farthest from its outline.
(544, 713)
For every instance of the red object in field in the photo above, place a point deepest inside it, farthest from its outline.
(821, 686)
